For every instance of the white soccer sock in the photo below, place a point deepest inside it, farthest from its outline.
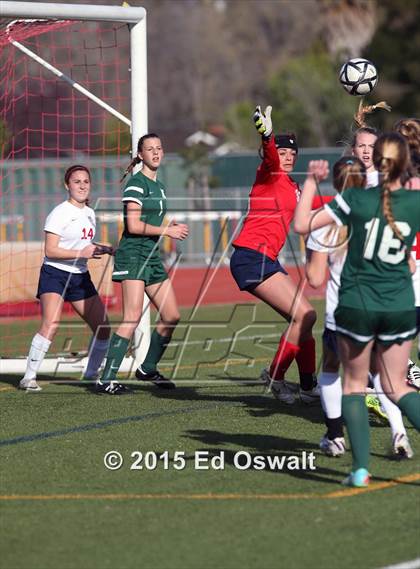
(393, 412)
(97, 353)
(331, 392)
(38, 349)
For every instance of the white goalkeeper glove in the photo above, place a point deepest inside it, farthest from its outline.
(262, 121)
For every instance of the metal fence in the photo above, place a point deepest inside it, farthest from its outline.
(31, 189)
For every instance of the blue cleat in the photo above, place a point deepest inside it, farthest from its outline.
(357, 479)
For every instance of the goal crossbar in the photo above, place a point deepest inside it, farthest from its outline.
(97, 13)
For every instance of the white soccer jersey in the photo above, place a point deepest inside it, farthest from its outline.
(76, 227)
(325, 240)
(415, 253)
(372, 179)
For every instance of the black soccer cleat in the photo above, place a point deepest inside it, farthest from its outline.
(111, 388)
(156, 378)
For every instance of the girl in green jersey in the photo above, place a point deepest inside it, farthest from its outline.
(139, 269)
(376, 299)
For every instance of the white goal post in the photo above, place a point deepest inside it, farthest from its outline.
(135, 18)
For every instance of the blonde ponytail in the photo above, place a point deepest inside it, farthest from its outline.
(360, 114)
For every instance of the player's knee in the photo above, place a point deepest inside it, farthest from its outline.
(171, 321)
(168, 323)
(175, 318)
(308, 319)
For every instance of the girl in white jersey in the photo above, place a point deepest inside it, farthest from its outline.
(327, 246)
(69, 233)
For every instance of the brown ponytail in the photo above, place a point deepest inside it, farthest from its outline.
(391, 158)
(136, 160)
(387, 210)
(410, 130)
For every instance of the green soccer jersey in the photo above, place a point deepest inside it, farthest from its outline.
(376, 274)
(151, 196)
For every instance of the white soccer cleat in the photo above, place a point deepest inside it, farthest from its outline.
(333, 447)
(401, 446)
(29, 385)
(413, 375)
(310, 396)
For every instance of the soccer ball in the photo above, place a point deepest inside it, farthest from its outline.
(358, 76)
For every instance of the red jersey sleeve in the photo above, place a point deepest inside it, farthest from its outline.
(271, 161)
(319, 201)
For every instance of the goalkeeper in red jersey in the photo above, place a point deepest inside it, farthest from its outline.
(256, 269)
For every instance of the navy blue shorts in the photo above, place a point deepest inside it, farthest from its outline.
(71, 286)
(329, 337)
(250, 268)
(418, 319)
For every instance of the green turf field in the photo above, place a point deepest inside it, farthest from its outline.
(61, 508)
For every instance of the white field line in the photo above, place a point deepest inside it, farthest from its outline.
(413, 564)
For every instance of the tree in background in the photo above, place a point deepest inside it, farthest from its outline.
(395, 50)
(307, 99)
(304, 90)
(209, 54)
(348, 26)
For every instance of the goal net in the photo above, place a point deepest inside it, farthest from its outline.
(66, 98)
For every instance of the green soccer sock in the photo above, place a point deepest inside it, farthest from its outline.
(158, 345)
(410, 406)
(116, 352)
(356, 418)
